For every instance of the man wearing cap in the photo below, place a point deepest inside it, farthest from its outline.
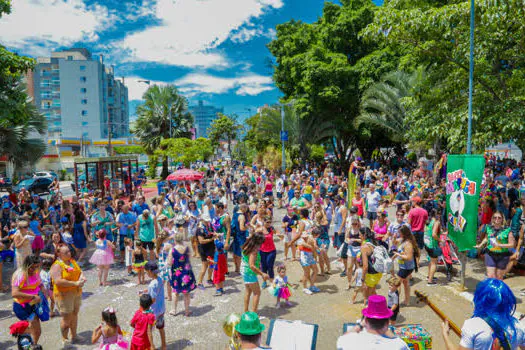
(417, 218)
(372, 332)
(249, 330)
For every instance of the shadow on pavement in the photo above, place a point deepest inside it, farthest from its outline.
(201, 310)
(179, 344)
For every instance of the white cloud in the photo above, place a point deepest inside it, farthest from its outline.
(250, 84)
(189, 29)
(200, 83)
(246, 34)
(39, 26)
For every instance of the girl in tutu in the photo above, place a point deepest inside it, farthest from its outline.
(38, 242)
(138, 261)
(281, 287)
(109, 332)
(103, 256)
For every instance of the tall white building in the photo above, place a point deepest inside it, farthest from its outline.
(78, 93)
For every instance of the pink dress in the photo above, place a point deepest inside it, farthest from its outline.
(103, 255)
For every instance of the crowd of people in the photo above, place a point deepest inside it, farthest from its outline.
(231, 218)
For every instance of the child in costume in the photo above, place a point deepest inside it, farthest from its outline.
(102, 257)
(357, 280)
(143, 322)
(109, 332)
(128, 255)
(281, 287)
(220, 266)
(139, 261)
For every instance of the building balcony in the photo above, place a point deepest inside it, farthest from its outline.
(45, 85)
(56, 82)
(45, 73)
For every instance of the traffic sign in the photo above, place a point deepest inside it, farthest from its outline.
(284, 135)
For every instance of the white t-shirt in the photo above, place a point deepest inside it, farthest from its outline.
(279, 185)
(373, 199)
(477, 334)
(367, 341)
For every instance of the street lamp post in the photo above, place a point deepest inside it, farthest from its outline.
(471, 78)
(282, 139)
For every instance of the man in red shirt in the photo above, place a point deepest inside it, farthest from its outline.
(417, 218)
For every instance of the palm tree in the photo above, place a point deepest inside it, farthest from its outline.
(21, 125)
(163, 106)
(301, 131)
(382, 103)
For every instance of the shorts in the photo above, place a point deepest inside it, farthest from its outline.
(148, 245)
(249, 278)
(205, 253)
(68, 302)
(353, 251)
(420, 239)
(404, 273)
(287, 237)
(307, 259)
(159, 321)
(394, 316)
(433, 253)
(323, 242)
(308, 197)
(372, 279)
(499, 261)
(371, 216)
(279, 195)
(268, 194)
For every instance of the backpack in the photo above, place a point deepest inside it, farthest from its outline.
(380, 260)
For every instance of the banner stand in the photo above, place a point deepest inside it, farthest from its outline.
(463, 260)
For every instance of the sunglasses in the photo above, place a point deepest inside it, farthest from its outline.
(24, 226)
(498, 218)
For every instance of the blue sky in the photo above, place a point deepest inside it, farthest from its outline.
(214, 50)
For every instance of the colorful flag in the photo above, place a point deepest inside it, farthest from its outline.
(464, 175)
(352, 184)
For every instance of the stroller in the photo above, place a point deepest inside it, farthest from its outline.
(23, 340)
(449, 255)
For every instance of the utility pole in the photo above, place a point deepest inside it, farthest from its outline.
(283, 156)
(110, 150)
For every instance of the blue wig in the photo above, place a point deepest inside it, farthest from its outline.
(494, 299)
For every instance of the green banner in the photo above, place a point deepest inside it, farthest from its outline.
(464, 175)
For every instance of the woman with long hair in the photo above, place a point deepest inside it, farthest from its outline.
(407, 254)
(371, 277)
(431, 239)
(492, 325)
(80, 232)
(28, 292)
(251, 268)
(499, 240)
(240, 223)
(353, 240)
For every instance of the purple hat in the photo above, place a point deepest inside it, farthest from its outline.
(377, 308)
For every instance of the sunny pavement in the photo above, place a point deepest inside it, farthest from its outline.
(203, 330)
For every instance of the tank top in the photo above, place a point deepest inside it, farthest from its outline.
(245, 265)
(430, 242)
(70, 272)
(28, 285)
(359, 204)
(268, 187)
(380, 231)
(354, 236)
(404, 264)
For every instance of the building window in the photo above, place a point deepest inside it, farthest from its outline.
(82, 68)
(84, 113)
(84, 101)
(83, 79)
(83, 90)
(70, 58)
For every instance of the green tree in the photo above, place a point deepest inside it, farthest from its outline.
(163, 115)
(382, 104)
(185, 150)
(20, 123)
(324, 67)
(128, 150)
(437, 35)
(223, 128)
(301, 131)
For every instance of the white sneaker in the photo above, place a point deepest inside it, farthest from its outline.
(307, 291)
(278, 305)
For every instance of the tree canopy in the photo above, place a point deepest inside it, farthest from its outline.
(224, 128)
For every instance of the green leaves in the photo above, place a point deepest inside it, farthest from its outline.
(185, 150)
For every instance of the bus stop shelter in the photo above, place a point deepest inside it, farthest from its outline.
(93, 171)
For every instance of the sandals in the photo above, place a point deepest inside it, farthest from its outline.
(173, 313)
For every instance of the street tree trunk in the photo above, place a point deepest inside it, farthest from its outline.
(165, 172)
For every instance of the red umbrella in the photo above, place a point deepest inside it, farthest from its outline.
(185, 175)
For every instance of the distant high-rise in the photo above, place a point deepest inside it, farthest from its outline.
(77, 94)
(204, 116)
